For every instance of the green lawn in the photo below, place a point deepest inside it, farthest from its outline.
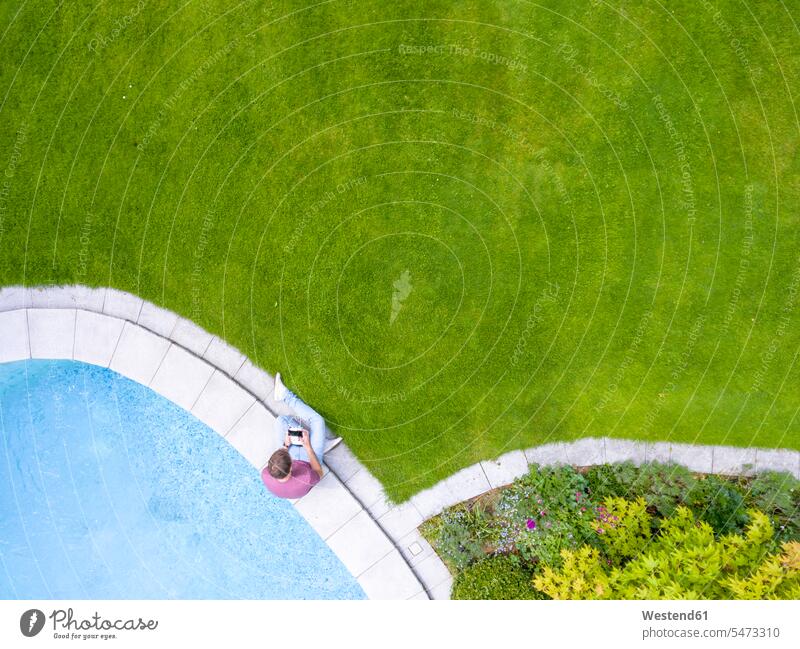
(458, 228)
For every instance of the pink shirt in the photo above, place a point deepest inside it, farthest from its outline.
(299, 483)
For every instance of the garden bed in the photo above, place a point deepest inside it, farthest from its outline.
(624, 532)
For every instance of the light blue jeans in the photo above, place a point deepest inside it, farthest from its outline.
(305, 417)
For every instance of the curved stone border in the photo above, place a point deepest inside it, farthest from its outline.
(213, 381)
(484, 476)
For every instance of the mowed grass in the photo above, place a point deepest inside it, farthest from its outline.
(458, 228)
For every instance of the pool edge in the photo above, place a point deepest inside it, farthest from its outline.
(214, 382)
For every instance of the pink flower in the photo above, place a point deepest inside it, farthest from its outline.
(543, 513)
(531, 524)
(577, 496)
(599, 530)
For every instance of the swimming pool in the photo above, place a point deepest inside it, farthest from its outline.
(110, 491)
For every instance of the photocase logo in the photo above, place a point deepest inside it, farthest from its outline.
(67, 626)
(31, 622)
(402, 289)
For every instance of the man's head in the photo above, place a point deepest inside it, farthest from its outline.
(280, 464)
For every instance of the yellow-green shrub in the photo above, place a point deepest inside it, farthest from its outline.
(684, 561)
(623, 527)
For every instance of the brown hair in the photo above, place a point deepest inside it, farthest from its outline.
(280, 463)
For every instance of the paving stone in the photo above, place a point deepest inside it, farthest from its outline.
(138, 353)
(625, 450)
(88, 299)
(467, 483)
(731, 460)
(547, 454)
(13, 297)
(14, 344)
(221, 355)
(253, 435)
(778, 460)
(414, 548)
(359, 543)
(365, 487)
(96, 337)
(432, 501)
(390, 578)
(379, 507)
(343, 462)
(442, 591)
(432, 572)
(658, 452)
(586, 452)
(328, 506)
(122, 305)
(505, 469)
(157, 320)
(421, 595)
(48, 297)
(222, 403)
(66, 297)
(256, 381)
(400, 520)
(51, 332)
(694, 458)
(187, 334)
(181, 377)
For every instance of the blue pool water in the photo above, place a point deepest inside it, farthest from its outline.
(109, 491)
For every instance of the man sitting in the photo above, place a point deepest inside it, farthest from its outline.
(293, 469)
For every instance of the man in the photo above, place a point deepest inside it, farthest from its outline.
(292, 470)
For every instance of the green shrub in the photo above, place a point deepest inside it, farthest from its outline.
(497, 577)
(457, 534)
(545, 543)
(556, 487)
(719, 503)
(777, 495)
(663, 486)
(610, 480)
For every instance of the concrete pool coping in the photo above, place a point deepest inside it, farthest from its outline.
(378, 541)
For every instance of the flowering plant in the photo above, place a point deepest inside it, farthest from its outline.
(549, 509)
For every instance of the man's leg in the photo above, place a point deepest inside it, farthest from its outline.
(313, 422)
(281, 426)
